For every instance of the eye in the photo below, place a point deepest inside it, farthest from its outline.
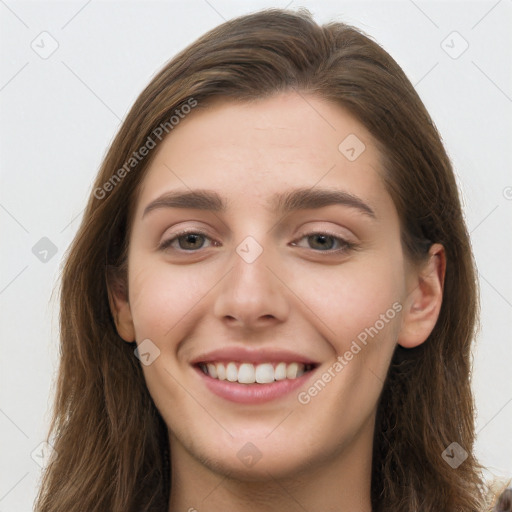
(191, 241)
(187, 241)
(324, 242)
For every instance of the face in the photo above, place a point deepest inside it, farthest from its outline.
(270, 306)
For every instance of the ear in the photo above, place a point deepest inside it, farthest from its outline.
(119, 305)
(423, 303)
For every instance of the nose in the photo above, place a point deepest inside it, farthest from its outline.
(252, 295)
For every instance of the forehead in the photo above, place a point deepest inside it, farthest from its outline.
(251, 151)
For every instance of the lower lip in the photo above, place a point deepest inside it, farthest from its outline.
(252, 393)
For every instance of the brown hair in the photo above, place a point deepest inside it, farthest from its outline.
(110, 440)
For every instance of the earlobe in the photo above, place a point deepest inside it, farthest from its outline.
(423, 303)
(120, 307)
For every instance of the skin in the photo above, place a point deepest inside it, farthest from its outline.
(297, 297)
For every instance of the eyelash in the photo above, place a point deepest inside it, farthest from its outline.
(346, 246)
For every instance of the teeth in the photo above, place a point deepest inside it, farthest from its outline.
(247, 373)
(231, 372)
(221, 372)
(291, 371)
(264, 373)
(280, 371)
(212, 370)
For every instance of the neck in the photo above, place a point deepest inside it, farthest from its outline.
(341, 483)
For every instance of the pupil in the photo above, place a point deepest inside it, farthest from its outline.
(323, 239)
(191, 238)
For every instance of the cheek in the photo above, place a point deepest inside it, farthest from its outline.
(354, 300)
(164, 298)
(358, 310)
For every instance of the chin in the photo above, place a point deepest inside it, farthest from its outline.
(260, 460)
(270, 467)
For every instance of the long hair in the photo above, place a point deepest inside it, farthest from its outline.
(111, 447)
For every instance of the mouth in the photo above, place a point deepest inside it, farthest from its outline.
(249, 373)
(249, 383)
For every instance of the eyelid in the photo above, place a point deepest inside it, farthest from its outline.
(324, 228)
(323, 231)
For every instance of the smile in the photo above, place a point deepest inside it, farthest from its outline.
(248, 373)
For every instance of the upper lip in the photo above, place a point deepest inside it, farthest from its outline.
(246, 355)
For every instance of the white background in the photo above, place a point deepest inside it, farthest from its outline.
(59, 114)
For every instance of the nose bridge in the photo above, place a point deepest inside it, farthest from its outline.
(250, 292)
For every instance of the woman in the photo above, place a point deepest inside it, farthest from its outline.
(271, 299)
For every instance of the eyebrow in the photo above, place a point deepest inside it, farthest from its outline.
(282, 203)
